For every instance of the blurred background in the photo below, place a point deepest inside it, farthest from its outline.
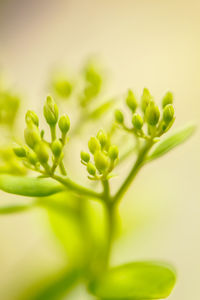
(152, 43)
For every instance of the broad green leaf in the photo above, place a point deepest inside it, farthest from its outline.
(11, 209)
(172, 141)
(29, 186)
(138, 280)
(64, 218)
(54, 287)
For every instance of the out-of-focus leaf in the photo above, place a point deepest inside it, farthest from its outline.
(65, 222)
(12, 209)
(100, 110)
(139, 280)
(172, 141)
(29, 186)
(53, 288)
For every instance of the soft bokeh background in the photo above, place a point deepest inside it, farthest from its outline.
(153, 43)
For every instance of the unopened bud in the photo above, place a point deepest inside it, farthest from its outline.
(50, 111)
(32, 157)
(168, 99)
(85, 156)
(19, 151)
(91, 169)
(168, 113)
(102, 137)
(137, 121)
(64, 124)
(101, 161)
(56, 148)
(131, 101)
(145, 99)
(119, 117)
(113, 152)
(94, 145)
(31, 117)
(32, 135)
(42, 152)
(152, 114)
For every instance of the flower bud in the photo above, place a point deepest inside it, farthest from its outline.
(19, 151)
(101, 161)
(152, 114)
(42, 152)
(32, 135)
(50, 111)
(32, 157)
(113, 152)
(94, 145)
(137, 121)
(131, 101)
(91, 169)
(64, 124)
(31, 117)
(168, 99)
(102, 137)
(145, 99)
(168, 113)
(119, 117)
(85, 156)
(56, 148)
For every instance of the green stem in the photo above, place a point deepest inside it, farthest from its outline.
(137, 166)
(110, 210)
(53, 132)
(81, 190)
(62, 168)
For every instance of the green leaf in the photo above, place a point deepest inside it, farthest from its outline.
(54, 287)
(172, 141)
(29, 186)
(12, 209)
(138, 280)
(100, 110)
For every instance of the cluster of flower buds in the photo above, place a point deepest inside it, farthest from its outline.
(147, 120)
(104, 155)
(37, 151)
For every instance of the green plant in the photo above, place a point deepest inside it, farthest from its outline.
(89, 254)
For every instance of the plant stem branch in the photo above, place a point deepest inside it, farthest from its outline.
(137, 166)
(81, 190)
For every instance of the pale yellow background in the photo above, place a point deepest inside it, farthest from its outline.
(153, 43)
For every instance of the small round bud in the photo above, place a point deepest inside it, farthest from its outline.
(85, 156)
(32, 135)
(168, 113)
(145, 99)
(32, 157)
(131, 101)
(42, 152)
(119, 117)
(168, 99)
(64, 124)
(63, 87)
(94, 145)
(31, 117)
(152, 114)
(50, 111)
(101, 161)
(91, 169)
(19, 151)
(102, 137)
(56, 148)
(137, 121)
(113, 152)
